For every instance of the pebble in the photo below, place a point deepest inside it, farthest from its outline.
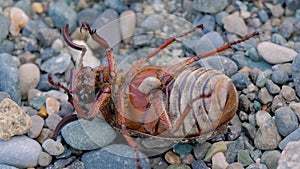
(290, 156)
(45, 134)
(286, 120)
(272, 87)
(267, 136)
(278, 102)
(47, 36)
(52, 121)
(278, 39)
(43, 112)
(232, 150)
(178, 166)
(235, 24)
(66, 109)
(13, 119)
(61, 14)
(235, 165)
(240, 59)
(127, 24)
(296, 73)
(262, 78)
(153, 22)
(215, 148)
(287, 27)
(88, 135)
(172, 158)
(270, 158)
(199, 164)
(37, 7)
(18, 20)
(117, 5)
(208, 22)
(9, 75)
(88, 15)
(188, 159)
(3, 166)
(296, 108)
(241, 80)
(200, 149)
(262, 117)
(116, 156)
(36, 127)
(28, 80)
(53, 147)
(52, 105)
(208, 42)
(244, 158)
(288, 93)
(44, 159)
(274, 53)
(4, 26)
(6, 46)
(292, 4)
(257, 166)
(57, 64)
(77, 164)
(264, 96)
(182, 149)
(250, 129)
(294, 136)
(279, 77)
(213, 6)
(219, 161)
(20, 151)
(219, 16)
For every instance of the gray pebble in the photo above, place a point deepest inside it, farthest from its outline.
(66, 109)
(77, 164)
(263, 15)
(264, 96)
(212, 6)
(279, 77)
(3, 95)
(57, 64)
(52, 121)
(286, 120)
(10, 77)
(290, 156)
(267, 136)
(153, 22)
(262, 117)
(278, 102)
(28, 80)
(20, 151)
(207, 21)
(278, 39)
(199, 164)
(200, 149)
(272, 87)
(4, 26)
(292, 4)
(210, 41)
(47, 36)
(88, 135)
(87, 15)
(241, 80)
(262, 77)
(286, 28)
(257, 166)
(240, 59)
(250, 130)
(253, 54)
(6, 46)
(270, 158)
(288, 93)
(232, 150)
(296, 73)
(117, 5)
(219, 16)
(116, 156)
(294, 136)
(61, 14)
(53, 147)
(36, 127)
(44, 159)
(62, 163)
(3, 166)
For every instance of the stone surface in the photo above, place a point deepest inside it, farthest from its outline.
(294, 136)
(213, 6)
(18, 20)
(279, 77)
(57, 64)
(44, 159)
(262, 117)
(286, 120)
(172, 158)
(53, 147)
(36, 127)
(215, 148)
(20, 151)
(4, 26)
(219, 161)
(270, 158)
(244, 158)
(88, 135)
(13, 119)
(52, 121)
(208, 42)
(52, 105)
(28, 80)
(274, 53)
(127, 23)
(116, 156)
(47, 36)
(296, 73)
(290, 156)
(235, 24)
(288, 93)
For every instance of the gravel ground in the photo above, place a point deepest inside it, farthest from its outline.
(263, 134)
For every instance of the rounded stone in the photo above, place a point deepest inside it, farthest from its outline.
(219, 161)
(294, 136)
(36, 127)
(279, 77)
(52, 121)
(270, 158)
(212, 6)
(88, 135)
(127, 23)
(4, 27)
(44, 159)
(172, 158)
(290, 156)
(29, 75)
(18, 19)
(286, 120)
(52, 105)
(235, 24)
(53, 147)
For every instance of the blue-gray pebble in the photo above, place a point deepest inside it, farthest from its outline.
(286, 120)
(279, 77)
(57, 64)
(117, 156)
(20, 151)
(3, 166)
(241, 80)
(208, 42)
(4, 26)
(9, 77)
(296, 73)
(88, 135)
(294, 136)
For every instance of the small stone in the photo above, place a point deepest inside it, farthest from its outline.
(20, 151)
(43, 112)
(52, 106)
(215, 148)
(219, 161)
(264, 96)
(235, 24)
(272, 87)
(188, 159)
(241, 80)
(278, 102)
(262, 117)
(3, 166)
(153, 22)
(57, 45)
(45, 134)
(117, 156)
(58, 64)
(36, 127)
(290, 157)
(288, 93)
(235, 165)
(244, 158)
(44, 159)
(178, 166)
(279, 77)
(276, 10)
(199, 164)
(267, 136)
(294, 136)
(296, 73)
(286, 120)
(88, 135)
(233, 148)
(28, 80)
(13, 119)
(172, 158)
(200, 149)
(274, 53)
(62, 163)
(4, 27)
(77, 164)
(182, 149)
(37, 7)
(88, 15)
(249, 129)
(127, 24)
(52, 121)
(18, 20)
(46, 36)
(66, 109)
(209, 23)
(296, 108)
(213, 6)
(292, 4)
(257, 166)
(53, 147)
(270, 158)
(262, 78)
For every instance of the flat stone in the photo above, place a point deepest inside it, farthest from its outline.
(57, 64)
(213, 6)
(270, 158)
(285, 120)
(235, 24)
(53, 147)
(274, 53)
(172, 158)
(209, 41)
(290, 156)
(88, 135)
(20, 151)
(44, 159)
(13, 120)
(28, 80)
(36, 127)
(117, 156)
(294, 136)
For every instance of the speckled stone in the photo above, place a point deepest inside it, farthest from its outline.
(286, 120)
(44, 159)
(53, 147)
(290, 156)
(13, 119)
(270, 158)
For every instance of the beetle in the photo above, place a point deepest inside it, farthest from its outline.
(170, 102)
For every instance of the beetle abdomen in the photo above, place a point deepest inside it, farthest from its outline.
(200, 101)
